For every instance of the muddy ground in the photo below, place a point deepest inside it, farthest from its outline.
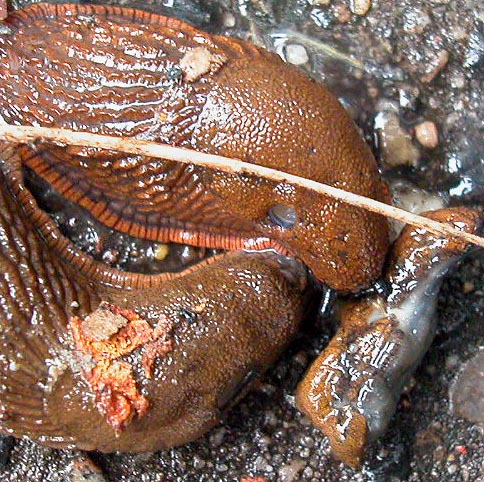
(405, 60)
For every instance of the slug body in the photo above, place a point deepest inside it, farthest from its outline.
(117, 360)
(99, 358)
(155, 396)
(127, 72)
(352, 389)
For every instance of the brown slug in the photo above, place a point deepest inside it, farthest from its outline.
(100, 358)
(127, 72)
(351, 390)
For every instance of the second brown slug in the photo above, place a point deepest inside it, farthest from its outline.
(351, 390)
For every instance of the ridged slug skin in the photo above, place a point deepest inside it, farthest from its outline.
(166, 391)
(126, 72)
(352, 389)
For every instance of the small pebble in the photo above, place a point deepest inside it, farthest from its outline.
(270, 419)
(189, 254)
(308, 473)
(321, 17)
(4, 30)
(467, 392)
(290, 472)
(162, 251)
(319, 3)
(228, 20)
(458, 80)
(261, 465)
(408, 96)
(461, 449)
(308, 441)
(266, 388)
(360, 7)
(436, 66)
(427, 134)
(85, 470)
(373, 92)
(451, 458)
(342, 13)
(221, 467)
(468, 287)
(296, 54)
(217, 436)
(452, 469)
(301, 358)
(111, 256)
(263, 441)
(198, 61)
(305, 453)
(396, 143)
(198, 463)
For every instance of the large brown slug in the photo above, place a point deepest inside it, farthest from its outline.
(98, 358)
(127, 72)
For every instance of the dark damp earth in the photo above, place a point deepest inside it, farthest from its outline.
(423, 64)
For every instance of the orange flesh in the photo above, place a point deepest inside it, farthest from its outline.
(112, 380)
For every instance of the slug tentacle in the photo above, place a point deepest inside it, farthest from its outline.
(351, 390)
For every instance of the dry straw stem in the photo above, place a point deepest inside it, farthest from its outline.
(27, 134)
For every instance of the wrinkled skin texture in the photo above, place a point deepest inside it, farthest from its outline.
(125, 72)
(38, 362)
(111, 71)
